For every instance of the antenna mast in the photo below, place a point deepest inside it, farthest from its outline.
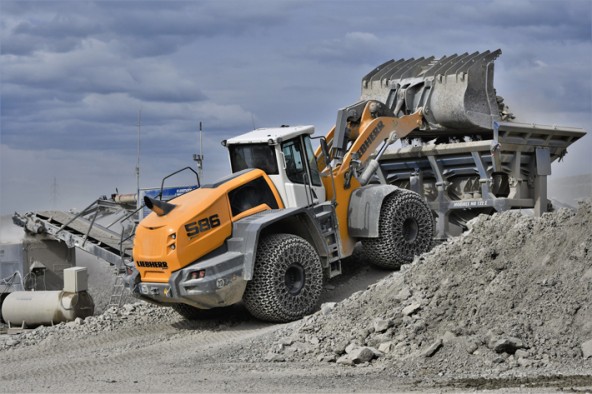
(138, 157)
(198, 158)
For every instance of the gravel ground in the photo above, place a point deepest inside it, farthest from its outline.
(505, 307)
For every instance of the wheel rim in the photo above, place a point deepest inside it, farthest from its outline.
(410, 229)
(294, 279)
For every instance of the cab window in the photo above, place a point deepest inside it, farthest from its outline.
(260, 156)
(312, 163)
(250, 195)
(298, 159)
(295, 167)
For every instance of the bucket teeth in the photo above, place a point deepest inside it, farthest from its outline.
(456, 92)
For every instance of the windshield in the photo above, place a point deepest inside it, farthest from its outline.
(260, 156)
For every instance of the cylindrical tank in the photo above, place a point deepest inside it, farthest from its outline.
(35, 308)
(125, 198)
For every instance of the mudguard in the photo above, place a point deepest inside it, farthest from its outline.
(364, 209)
(297, 221)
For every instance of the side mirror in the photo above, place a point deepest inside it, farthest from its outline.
(325, 150)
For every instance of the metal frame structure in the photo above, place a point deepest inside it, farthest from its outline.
(81, 230)
(505, 170)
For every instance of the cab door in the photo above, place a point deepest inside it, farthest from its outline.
(303, 184)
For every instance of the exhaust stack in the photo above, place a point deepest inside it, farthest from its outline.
(160, 208)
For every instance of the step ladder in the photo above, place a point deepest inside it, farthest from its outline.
(325, 215)
(118, 292)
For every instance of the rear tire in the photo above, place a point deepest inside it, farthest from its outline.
(406, 230)
(187, 311)
(287, 281)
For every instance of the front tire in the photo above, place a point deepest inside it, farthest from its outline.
(406, 230)
(287, 281)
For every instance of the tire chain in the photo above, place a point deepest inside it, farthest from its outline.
(390, 249)
(267, 296)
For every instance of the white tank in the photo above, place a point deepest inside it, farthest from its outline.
(35, 308)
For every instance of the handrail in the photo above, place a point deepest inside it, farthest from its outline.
(175, 173)
(79, 214)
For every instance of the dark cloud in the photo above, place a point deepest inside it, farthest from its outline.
(140, 28)
(75, 74)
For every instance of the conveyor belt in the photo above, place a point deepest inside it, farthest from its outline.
(79, 231)
(97, 234)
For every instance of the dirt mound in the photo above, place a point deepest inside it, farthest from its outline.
(128, 317)
(513, 293)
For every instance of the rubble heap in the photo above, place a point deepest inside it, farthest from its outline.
(514, 292)
(129, 316)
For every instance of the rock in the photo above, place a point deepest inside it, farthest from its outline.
(521, 353)
(411, 309)
(508, 345)
(381, 325)
(326, 358)
(403, 294)
(340, 347)
(587, 349)
(345, 360)
(302, 347)
(351, 347)
(286, 341)
(432, 349)
(380, 338)
(273, 357)
(386, 347)
(524, 362)
(327, 307)
(377, 353)
(471, 347)
(448, 337)
(363, 335)
(361, 355)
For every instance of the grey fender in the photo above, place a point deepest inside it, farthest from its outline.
(364, 209)
(247, 232)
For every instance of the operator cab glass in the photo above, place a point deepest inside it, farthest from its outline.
(300, 161)
(262, 156)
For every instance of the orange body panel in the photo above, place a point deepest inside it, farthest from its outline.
(365, 138)
(200, 223)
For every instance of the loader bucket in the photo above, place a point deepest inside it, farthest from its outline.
(456, 92)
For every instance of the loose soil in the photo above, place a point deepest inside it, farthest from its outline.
(507, 306)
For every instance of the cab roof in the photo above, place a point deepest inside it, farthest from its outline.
(277, 134)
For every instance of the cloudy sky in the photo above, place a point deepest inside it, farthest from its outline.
(75, 74)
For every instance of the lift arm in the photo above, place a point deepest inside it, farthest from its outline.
(360, 130)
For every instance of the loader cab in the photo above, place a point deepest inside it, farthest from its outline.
(287, 156)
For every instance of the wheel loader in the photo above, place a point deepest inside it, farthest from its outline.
(272, 231)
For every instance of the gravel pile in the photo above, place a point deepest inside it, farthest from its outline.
(129, 316)
(512, 294)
